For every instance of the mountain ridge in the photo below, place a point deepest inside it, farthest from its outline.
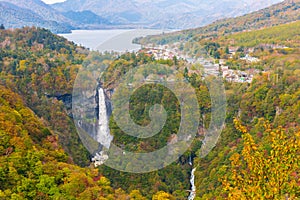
(280, 13)
(42, 9)
(13, 16)
(104, 14)
(164, 13)
(19, 13)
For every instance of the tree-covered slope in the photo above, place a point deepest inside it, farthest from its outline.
(37, 73)
(17, 14)
(34, 166)
(260, 158)
(85, 18)
(41, 67)
(281, 13)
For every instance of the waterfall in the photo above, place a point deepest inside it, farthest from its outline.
(190, 160)
(103, 134)
(193, 189)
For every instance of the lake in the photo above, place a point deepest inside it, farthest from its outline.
(119, 40)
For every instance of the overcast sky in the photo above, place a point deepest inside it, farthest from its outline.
(52, 1)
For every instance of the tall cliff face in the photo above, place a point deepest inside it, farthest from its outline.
(91, 112)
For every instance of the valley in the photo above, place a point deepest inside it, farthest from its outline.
(204, 113)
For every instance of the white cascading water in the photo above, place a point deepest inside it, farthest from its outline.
(103, 134)
(190, 161)
(193, 189)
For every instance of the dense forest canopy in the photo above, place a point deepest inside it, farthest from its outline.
(257, 155)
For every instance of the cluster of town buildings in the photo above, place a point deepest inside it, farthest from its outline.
(209, 68)
(163, 52)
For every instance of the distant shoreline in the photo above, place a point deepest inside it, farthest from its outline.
(116, 27)
(119, 40)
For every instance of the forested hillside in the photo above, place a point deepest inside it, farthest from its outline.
(262, 121)
(17, 14)
(38, 69)
(33, 164)
(281, 13)
(257, 155)
(41, 67)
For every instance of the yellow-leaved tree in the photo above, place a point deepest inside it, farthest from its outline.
(161, 195)
(267, 170)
